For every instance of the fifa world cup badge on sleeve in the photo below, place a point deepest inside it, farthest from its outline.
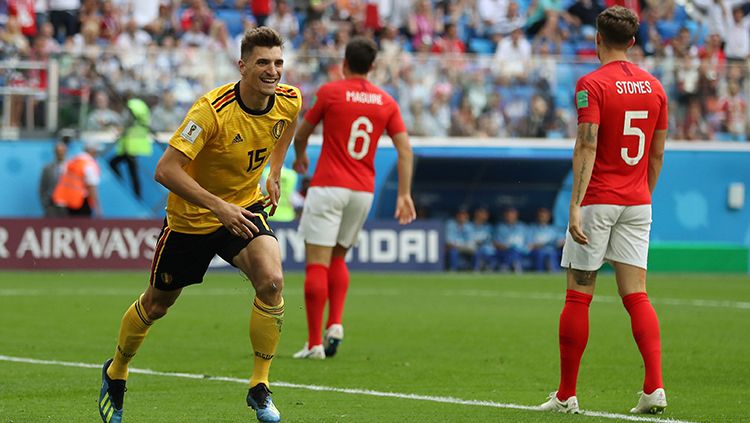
(582, 99)
(191, 131)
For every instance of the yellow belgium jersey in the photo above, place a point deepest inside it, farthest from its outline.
(229, 145)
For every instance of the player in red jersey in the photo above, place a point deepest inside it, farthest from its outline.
(622, 122)
(354, 113)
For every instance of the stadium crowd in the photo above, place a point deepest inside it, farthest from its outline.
(469, 68)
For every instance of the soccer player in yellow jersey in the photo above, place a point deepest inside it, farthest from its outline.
(212, 169)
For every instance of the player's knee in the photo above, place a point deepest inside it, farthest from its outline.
(155, 309)
(270, 287)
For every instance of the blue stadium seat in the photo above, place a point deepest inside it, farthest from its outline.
(668, 29)
(233, 20)
(567, 48)
(555, 134)
(565, 78)
(563, 97)
(481, 46)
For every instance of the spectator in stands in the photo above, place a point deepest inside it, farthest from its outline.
(485, 256)
(423, 25)
(712, 12)
(219, 41)
(25, 13)
(313, 38)
(461, 14)
(132, 38)
(102, 117)
(197, 11)
(86, 43)
(459, 241)
(261, 10)
(438, 118)
(16, 44)
(50, 176)
(110, 21)
(514, 19)
(510, 241)
(537, 121)
(694, 126)
(194, 37)
(492, 119)
(77, 189)
(167, 115)
(449, 41)
(582, 17)
(283, 20)
(63, 14)
(681, 46)
(463, 120)
(416, 120)
(492, 14)
(736, 33)
(395, 14)
(317, 10)
(545, 242)
(513, 55)
(412, 87)
(543, 17)
(733, 110)
(47, 44)
(166, 23)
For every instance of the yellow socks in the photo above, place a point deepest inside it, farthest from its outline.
(133, 329)
(265, 331)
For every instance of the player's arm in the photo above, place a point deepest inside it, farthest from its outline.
(405, 212)
(656, 158)
(276, 161)
(584, 154)
(170, 172)
(301, 139)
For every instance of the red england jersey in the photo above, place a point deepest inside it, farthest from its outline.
(355, 113)
(628, 104)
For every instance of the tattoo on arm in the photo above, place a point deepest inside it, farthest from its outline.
(587, 138)
(584, 277)
(579, 188)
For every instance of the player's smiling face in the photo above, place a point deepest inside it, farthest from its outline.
(262, 69)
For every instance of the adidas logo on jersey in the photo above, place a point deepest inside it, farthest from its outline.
(237, 139)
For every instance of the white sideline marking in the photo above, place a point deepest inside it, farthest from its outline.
(218, 292)
(368, 392)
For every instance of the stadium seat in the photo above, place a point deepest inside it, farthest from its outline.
(481, 46)
(233, 20)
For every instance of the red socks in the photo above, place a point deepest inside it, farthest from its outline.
(645, 326)
(574, 334)
(338, 284)
(324, 284)
(316, 293)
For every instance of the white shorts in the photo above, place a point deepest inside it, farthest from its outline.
(615, 233)
(334, 215)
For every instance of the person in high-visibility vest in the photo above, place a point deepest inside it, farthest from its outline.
(77, 188)
(135, 141)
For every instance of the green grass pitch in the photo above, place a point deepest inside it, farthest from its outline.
(472, 337)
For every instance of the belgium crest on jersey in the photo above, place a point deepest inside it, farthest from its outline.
(278, 129)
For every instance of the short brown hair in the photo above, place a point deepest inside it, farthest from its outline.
(617, 26)
(360, 54)
(259, 37)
